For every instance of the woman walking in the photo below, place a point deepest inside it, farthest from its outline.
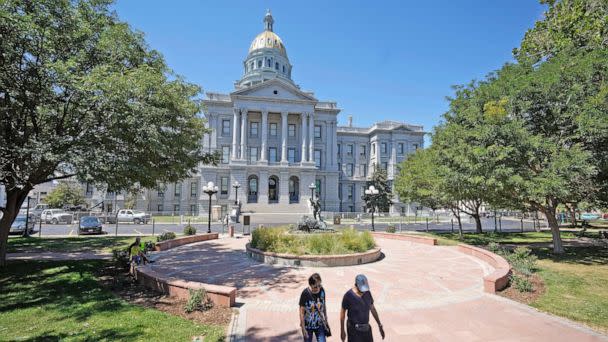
(313, 312)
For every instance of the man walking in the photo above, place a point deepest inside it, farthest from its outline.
(313, 312)
(358, 302)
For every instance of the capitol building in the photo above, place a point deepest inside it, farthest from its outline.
(275, 140)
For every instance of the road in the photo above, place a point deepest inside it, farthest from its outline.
(130, 229)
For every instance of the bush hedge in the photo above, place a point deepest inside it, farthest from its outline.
(278, 240)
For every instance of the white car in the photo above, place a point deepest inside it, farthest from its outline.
(56, 216)
(128, 215)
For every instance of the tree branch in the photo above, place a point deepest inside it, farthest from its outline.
(58, 177)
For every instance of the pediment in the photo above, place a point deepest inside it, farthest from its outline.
(275, 89)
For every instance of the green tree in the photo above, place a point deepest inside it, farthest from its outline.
(382, 201)
(81, 94)
(65, 194)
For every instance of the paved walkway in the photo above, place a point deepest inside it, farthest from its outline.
(59, 256)
(422, 293)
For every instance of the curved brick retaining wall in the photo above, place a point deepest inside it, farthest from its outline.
(497, 280)
(314, 260)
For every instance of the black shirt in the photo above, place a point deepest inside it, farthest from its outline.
(357, 307)
(312, 303)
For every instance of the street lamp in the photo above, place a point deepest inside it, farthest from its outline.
(312, 188)
(210, 189)
(236, 187)
(372, 192)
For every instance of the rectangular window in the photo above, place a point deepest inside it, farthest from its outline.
(272, 154)
(160, 208)
(291, 155)
(349, 170)
(193, 189)
(349, 150)
(318, 158)
(363, 170)
(253, 154)
(253, 129)
(273, 129)
(415, 146)
(400, 148)
(318, 186)
(89, 189)
(161, 190)
(193, 210)
(224, 185)
(384, 148)
(225, 127)
(350, 191)
(225, 154)
(317, 132)
(340, 192)
(363, 150)
(178, 190)
(385, 165)
(351, 208)
(373, 149)
(339, 149)
(176, 208)
(291, 130)
(340, 167)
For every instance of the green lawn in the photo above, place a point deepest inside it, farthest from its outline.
(575, 282)
(71, 244)
(63, 301)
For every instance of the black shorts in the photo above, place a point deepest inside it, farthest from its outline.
(358, 336)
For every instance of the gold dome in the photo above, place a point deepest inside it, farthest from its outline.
(268, 40)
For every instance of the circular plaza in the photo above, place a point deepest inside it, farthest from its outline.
(422, 293)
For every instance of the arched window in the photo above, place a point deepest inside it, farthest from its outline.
(283, 69)
(276, 66)
(268, 62)
(273, 189)
(259, 63)
(294, 189)
(252, 189)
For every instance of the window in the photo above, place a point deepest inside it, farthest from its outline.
(384, 148)
(224, 186)
(351, 208)
(400, 148)
(89, 189)
(193, 210)
(259, 64)
(318, 186)
(253, 154)
(373, 149)
(225, 127)
(339, 150)
(349, 150)
(159, 208)
(253, 129)
(161, 191)
(225, 154)
(385, 165)
(291, 130)
(317, 132)
(252, 66)
(350, 191)
(363, 170)
(276, 66)
(272, 154)
(268, 63)
(349, 170)
(340, 191)
(283, 69)
(178, 190)
(252, 189)
(273, 129)
(318, 158)
(291, 155)
(415, 146)
(193, 189)
(340, 167)
(363, 150)
(176, 208)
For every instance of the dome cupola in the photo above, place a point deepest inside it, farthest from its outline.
(267, 57)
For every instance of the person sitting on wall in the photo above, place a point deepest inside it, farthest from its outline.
(136, 252)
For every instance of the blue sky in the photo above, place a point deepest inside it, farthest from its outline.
(380, 60)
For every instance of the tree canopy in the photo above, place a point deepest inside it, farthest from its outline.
(65, 194)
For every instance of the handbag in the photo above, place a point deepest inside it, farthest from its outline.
(362, 327)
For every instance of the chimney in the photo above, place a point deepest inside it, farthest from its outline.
(350, 121)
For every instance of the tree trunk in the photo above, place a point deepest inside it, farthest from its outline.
(478, 229)
(14, 200)
(572, 209)
(558, 247)
(459, 225)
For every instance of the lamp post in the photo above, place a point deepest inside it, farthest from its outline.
(210, 189)
(372, 192)
(236, 185)
(312, 188)
(26, 233)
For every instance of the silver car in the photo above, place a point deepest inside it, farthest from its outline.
(18, 225)
(56, 216)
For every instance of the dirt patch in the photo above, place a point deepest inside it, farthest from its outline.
(525, 297)
(125, 287)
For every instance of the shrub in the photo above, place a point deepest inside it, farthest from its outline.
(391, 229)
(198, 301)
(166, 236)
(189, 230)
(521, 283)
(522, 260)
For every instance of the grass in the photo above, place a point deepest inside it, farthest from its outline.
(176, 219)
(278, 240)
(52, 301)
(71, 244)
(575, 281)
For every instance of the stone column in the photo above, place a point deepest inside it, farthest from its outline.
(264, 157)
(311, 137)
(284, 137)
(303, 134)
(243, 134)
(334, 158)
(235, 142)
(393, 161)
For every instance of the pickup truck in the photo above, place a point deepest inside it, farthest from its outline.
(128, 215)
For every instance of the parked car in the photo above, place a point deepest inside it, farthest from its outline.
(590, 216)
(18, 225)
(38, 209)
(128, 215)
(89, 225)
(56, 216)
